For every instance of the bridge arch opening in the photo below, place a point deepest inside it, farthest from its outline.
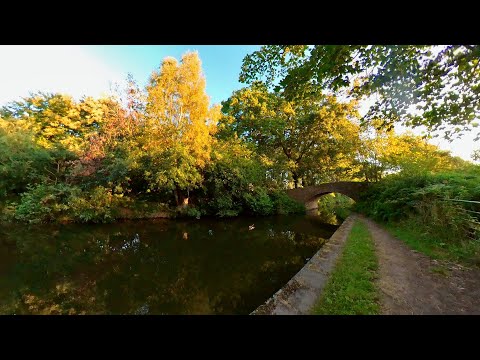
(328, 198)
(309, 195)
(332, 207)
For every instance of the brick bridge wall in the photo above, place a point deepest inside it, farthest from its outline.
(309, 195)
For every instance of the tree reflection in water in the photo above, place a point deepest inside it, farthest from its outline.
(206, 266)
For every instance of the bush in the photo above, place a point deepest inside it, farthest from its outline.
(22, 163)
(427, 200)
(98, 205)
(44, 203)
(225, 205)
(189, 211)
(283, 204)
(258, 203)
(63, 203)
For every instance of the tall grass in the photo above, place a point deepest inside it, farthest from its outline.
(428, 205)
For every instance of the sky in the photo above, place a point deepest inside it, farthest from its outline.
(92, 70)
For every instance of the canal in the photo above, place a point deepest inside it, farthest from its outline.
(205, 266)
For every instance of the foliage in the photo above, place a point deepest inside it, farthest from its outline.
(45, 203)
(180, 123)
(258, 203)
(334, 206)
(312, 138)
(57, 120)
(286, 205)
(476, 155)
(351, 289)
(441, 82)
(236, 182)
(22, 161)
(95, 160)
(97, 205)
(166, 147)
(189, 211)
(420, 238)
(437, 203)
(233, 171)
(62, 203)
(384, 152)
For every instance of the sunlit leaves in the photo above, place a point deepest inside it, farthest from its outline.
(441, 82)
(180, 122)
(295, 134)
(385, 152)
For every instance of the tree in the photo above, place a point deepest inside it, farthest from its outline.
(299, 134)
(234, 172)
(22, 161)
(180, 125)
(58, 124)
(57, 120)
(384, 152)
(434, 86)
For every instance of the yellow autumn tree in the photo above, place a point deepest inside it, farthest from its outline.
(384, 152)
(180, 125)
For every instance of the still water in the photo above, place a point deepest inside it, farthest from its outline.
(206, 266)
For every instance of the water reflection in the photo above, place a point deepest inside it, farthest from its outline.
(153, 267)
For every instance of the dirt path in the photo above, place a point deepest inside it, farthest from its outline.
(412, 283)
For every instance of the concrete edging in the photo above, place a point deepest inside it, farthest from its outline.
(299, 295)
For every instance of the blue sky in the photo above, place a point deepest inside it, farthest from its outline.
(80, 70)
(221, 63)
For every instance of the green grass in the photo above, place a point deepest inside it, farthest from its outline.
(351, 289)
(420, 239)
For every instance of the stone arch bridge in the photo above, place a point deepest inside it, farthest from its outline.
(309, 195)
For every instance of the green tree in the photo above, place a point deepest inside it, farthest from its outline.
(56, 119)
(59, 124)
(442, 83)
(384, 152)
(301, 135)
(233, 172)
(22, 161)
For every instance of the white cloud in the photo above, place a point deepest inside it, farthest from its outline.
(67, 69)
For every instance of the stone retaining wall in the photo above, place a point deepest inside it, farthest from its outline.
(299, 295)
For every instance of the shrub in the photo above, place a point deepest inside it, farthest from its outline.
(44, 203)
(22, 163)
(428, 199)
(189, 211)
(96, 205)
(225, 205)
(283, 204)
(258, 203)
(62, 203)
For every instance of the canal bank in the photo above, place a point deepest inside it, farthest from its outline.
(299, 295)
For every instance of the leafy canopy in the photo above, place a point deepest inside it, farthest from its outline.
(299, 135)
(434, 86)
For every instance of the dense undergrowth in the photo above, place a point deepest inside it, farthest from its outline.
(438, 214)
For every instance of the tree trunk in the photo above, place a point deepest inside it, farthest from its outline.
(295, 179)
(180, 198)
